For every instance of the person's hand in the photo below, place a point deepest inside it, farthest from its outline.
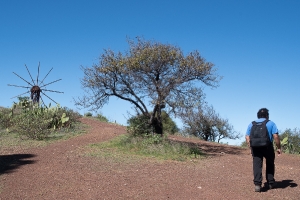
(279, 152)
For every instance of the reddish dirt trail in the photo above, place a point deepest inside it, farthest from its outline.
(61, 171)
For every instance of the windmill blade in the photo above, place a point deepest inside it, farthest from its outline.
(43, 101)
(46, 76)
(37, 78)
(20, 95)
(52, 91)
(30, 75)
(18, 86)
(49, 97)
(50, 83)
(22, 78)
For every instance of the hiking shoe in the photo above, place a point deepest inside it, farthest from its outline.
(257, 188)
(272, 186)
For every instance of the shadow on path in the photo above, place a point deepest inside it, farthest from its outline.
(8, 163)
(285, 184)
(280, 184)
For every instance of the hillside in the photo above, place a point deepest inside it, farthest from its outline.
(63, 170)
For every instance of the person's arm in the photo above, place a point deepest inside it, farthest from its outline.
(277, 142)
(248, 140)
(248, 143)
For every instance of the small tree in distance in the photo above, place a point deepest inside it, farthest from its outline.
(205, 123)
(151, 76)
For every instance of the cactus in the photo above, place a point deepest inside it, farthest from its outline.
(287, 145)
(284, 141)
(64, 118)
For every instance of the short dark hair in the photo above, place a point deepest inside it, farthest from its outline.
(263, 113)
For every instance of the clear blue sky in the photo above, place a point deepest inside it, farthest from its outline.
(255, 45)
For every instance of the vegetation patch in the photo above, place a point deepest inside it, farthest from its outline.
(12, 140)
(34, 121)
(150, 146)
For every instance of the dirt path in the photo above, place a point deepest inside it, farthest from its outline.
(61, 171)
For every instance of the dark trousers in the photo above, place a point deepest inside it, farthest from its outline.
(258, 153)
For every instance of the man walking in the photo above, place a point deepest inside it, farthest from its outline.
(259, 136)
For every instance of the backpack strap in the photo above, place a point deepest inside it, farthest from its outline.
(266, 121)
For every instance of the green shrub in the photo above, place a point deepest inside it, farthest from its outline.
(102, 118)
(290, 141)
(139, 125)
(5, 118)
(73, 116)
(88, 114)
(244, 144)
(35, 121)
(32, 125)
(62, 117)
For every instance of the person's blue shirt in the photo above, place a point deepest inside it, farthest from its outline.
(271, 126)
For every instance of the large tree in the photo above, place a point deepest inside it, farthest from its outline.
(151, 76)
(203, 122)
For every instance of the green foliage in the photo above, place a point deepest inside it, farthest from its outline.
(153, 146)
(37, 122)
(5, 118)
(152, 139)
(14, 140)
(23, 99)
(60, 117)
(101, 118)
(24, 103)
(32, 125)
(64, 119)
(139, 125)
(88, 114)
(244, 144)
(169, 126)
(291, 141)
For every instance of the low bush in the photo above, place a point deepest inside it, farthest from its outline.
(32, 125)
(37, 122)
(101, 118)
(88, 114)
(5, 118)
(139, 125)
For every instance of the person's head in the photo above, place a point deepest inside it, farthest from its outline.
(263, 113)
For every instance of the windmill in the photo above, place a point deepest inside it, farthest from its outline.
(36, 88)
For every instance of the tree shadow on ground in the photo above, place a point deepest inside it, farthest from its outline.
(9, 163)
(210, 148)
(218, 149)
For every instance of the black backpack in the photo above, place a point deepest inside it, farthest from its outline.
(259, 135)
